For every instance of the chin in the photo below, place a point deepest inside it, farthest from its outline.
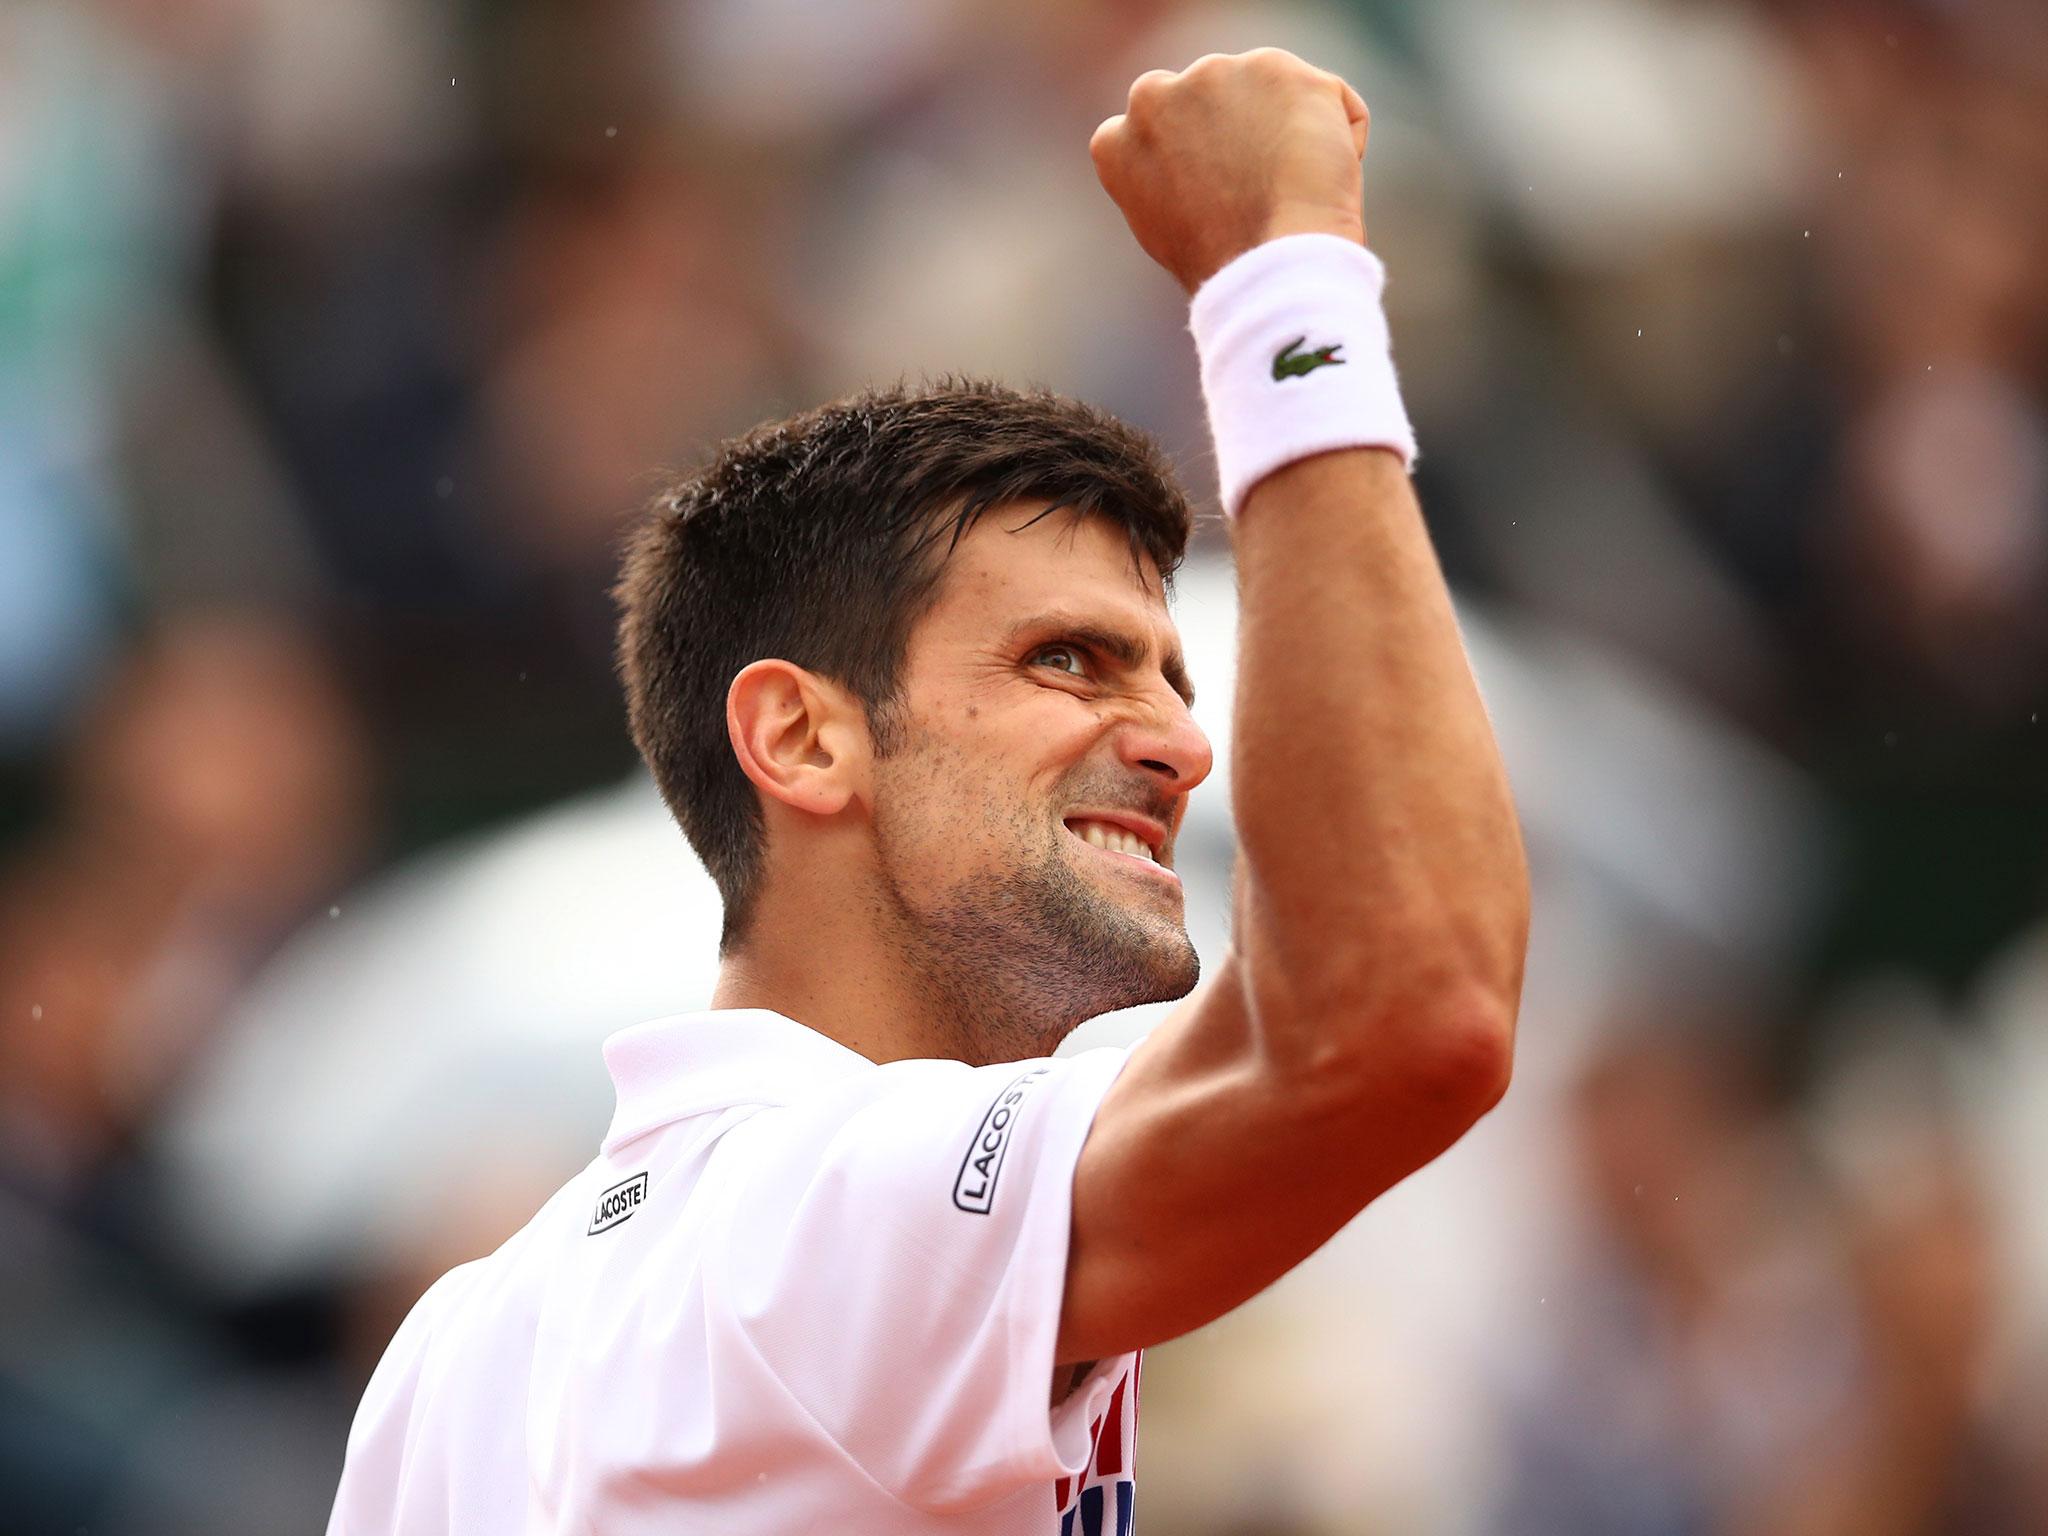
(1180, 981)
(1022, 955)
(1163, 969)
(1132, 945)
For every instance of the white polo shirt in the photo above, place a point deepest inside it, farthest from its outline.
(796, 1291)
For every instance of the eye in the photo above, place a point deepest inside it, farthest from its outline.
(1065, 658)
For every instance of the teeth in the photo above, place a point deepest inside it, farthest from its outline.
(1101, 834)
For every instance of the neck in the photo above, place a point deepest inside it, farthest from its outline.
(841, 983)
(839, 951)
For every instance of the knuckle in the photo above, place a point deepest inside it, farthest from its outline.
(1150, 86)
(1274, 61)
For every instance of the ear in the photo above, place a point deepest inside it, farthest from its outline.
(800, 739)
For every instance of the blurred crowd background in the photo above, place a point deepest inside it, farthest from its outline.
(337, 342)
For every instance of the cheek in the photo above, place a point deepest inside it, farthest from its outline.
(1054, 731)
(989, 777)
(947, 802)
(1029, 769)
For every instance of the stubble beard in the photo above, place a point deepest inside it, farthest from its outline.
(1014, 960)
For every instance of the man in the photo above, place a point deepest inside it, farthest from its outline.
(856, 1254)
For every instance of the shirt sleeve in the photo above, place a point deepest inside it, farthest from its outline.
(899, 1263)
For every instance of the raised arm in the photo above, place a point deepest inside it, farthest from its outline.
(1364, 1018)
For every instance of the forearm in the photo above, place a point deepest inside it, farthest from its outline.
(1364, 1016)
(1386, 886)
(1386, 881)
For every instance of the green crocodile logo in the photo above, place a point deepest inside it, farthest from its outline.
(1290, 364)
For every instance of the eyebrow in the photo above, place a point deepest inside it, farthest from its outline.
(1125, 649)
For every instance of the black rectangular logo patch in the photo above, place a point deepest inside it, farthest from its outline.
(975, 1190)
(617, 1203)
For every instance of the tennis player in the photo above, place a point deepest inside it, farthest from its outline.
(857, 1255)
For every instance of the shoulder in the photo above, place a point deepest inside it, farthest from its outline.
(926, 1136)
(911, 1101)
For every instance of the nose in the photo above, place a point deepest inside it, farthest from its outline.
(1163, 739)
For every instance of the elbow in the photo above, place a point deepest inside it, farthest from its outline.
(1465, 1038)
(1445, 1060)
(1465, 1056)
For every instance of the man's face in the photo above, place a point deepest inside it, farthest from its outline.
(1025, 823)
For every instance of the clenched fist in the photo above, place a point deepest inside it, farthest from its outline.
(1235, 150)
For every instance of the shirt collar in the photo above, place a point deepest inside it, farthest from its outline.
(668, 1068)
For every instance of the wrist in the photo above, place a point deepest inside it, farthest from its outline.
(1296, 358)
(1313, 219)
(1287, 220)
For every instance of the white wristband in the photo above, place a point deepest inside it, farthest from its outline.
(1296, 359)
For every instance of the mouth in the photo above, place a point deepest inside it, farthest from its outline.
(1127, 848)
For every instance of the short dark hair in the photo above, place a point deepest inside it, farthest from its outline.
(814, 540)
